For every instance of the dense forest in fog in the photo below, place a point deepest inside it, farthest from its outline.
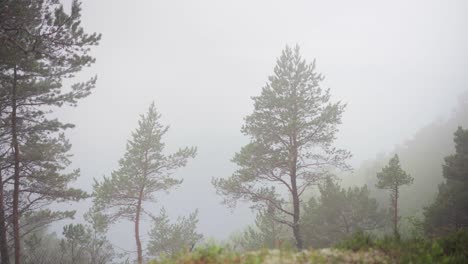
(409, 205)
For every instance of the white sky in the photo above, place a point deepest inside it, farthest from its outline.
(398, 64)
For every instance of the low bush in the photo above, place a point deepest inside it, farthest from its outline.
(452, 248)
(212, 254)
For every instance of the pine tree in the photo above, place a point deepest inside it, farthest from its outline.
(338, 213)
(5, 164)
(266, 233)
(99, 249)
(143, 171)
(168, 238)
(292, 131)
(391, 178)
(74, 243)
(4, 251)
(40, 46)
(449, 212)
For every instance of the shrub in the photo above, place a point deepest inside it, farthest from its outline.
(452, 248)
(359, 241)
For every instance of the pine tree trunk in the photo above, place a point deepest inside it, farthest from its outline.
(347, 227)
(296, 227)
(456, 218)
(296, 205)
(16, 184)
(137, 231)
(395, 215)
(3, 237)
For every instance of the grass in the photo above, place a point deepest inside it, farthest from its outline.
(361, 248)
(214, 254)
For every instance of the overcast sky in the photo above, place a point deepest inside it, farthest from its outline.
(398, 64)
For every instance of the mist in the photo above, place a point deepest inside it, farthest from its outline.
(400, 68)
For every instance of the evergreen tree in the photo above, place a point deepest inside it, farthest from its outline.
(4, 250)
(99, 249)
(86, 244)
(41, 247)
(266, 233)
(143, 171)
(338, 213)
(74, 244)
(5, 166)
(449, 212)
(169, 239)
(391, 178)
(40, 46)
(292, 131)
(81, 243)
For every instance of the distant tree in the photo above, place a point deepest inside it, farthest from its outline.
(143, 171)
(86, 244)
(435, 140)
(449, 212)
(170, 238)
(338, 213)
(99, 249)
(81, 243)
(41, 247)
(391, 178)
(40, 46)
(292, 131)
(74, 245)
(266, 233)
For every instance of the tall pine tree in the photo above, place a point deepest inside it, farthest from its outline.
(292, 130)
(143, 171)
(41, 46)
(391, 178)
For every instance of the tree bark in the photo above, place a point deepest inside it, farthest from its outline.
(296, 217)
(16, 184)
(3, 238)
(395, 215)
(296, 205)
(137, 230)
(347, 227)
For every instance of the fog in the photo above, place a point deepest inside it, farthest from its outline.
(399, 66)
